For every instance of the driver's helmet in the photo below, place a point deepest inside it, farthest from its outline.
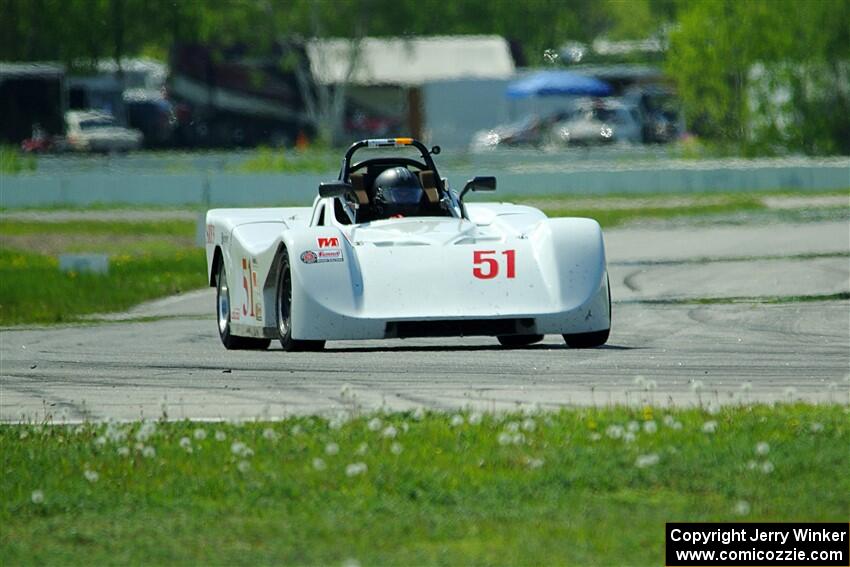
(398, 192)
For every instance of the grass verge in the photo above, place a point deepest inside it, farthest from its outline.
(33, 290)
(147, 260)
(581, 486)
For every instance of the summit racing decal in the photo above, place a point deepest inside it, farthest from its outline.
(328, 242)
(332, 255)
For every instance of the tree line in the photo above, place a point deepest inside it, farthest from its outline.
(763, 76)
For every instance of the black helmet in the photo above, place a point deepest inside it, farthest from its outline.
(398, 192)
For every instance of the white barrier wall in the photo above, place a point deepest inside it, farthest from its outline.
(79, 189)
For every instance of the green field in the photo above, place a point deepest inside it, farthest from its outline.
(581, 486)
(148, 260)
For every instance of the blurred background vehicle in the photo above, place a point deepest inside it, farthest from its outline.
(94, 131)
(599, 121)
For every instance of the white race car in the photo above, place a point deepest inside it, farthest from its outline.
(389, 251)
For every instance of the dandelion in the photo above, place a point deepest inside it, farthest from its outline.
(374, 424)
(344, 391)
(200, 434)
(534, 463)
(362, 449)
(419, 413)
(614, 431)
(389, 432)
(404, 426)
(650, 385)
(790, 392)
(240, 449)
(296, 430)
(319, 464)
(220, 435)
(650, 427)
(355, 469)
(475, 418)
(816, 427)
(709, 426)
(644, 461)
(767, 467)
(457, 420)
(91, 475)
(37, 497)
(639, 381)
(148, 452)
(752, 465)
(243, 466)
(505, 438)
(677, 425)
(350, 562)
(696, 385)
(746, 386)
(528, 424)
(146, 431)
(186, 444)
(668, 420)
(762, 448)
(512, 427)
(742, 508)
(124, 451)
(396, 448)
(595, 436)
(270, 434)
(331, 449)
(633, 426)
(629, 437)
(100, 441)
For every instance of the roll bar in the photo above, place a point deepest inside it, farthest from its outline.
(389, 143)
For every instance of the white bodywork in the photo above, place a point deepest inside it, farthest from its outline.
(507, 270)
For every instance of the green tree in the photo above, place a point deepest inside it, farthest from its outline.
(766, 75)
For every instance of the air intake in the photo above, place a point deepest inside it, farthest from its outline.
(460, 327)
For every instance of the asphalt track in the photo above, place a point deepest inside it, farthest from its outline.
(665, 348)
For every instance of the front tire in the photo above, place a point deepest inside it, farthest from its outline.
(222, 301)
(513, 341)
(284, 312)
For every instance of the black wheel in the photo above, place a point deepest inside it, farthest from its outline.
(519, 340)
(587, 340)
(284, 312)
(594, 339)
(231, 342)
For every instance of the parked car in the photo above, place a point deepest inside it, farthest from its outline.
(597, 122)
(94, 131)
(533, 130)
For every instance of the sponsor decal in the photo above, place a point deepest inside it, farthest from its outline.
(225, 238)
(210, 233)
(329, 242)
(235, 314)
(330, 255)
(311, 257)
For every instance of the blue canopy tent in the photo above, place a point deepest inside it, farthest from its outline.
(553, 83)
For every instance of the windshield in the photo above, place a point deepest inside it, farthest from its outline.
(96, 123)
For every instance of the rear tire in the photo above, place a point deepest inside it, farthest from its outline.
(587, 340)
(596, 338)
(284, 312)
(513, 341)
(222, 301)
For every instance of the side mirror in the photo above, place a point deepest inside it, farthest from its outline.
(486, 183)
(334, 189)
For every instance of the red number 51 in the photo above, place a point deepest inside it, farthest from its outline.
(487, 268)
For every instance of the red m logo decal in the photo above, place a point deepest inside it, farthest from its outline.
(332, 242)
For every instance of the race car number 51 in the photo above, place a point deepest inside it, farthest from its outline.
(486, 264)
